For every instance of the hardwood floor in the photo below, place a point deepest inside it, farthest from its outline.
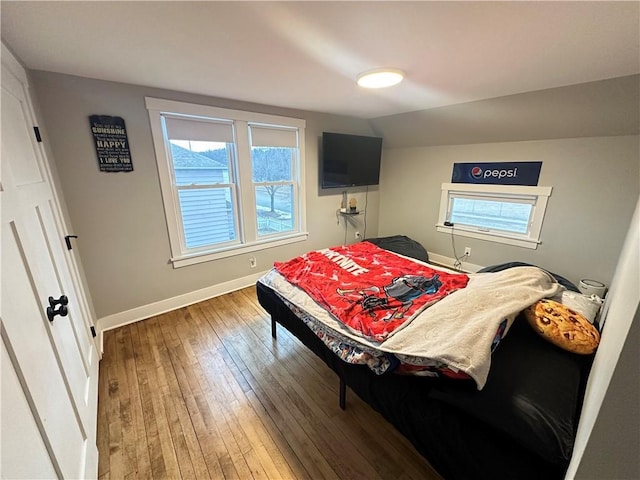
(205, 392)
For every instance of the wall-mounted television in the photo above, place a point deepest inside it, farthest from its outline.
(349, 160)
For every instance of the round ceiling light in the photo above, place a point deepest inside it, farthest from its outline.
(380, 78)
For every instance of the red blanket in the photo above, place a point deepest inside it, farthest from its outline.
(369, 289)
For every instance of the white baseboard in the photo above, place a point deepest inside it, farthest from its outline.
(449, 262)
(145, 311)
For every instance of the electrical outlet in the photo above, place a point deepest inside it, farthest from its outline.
(252, 262)
(467, 251)
(358, 235)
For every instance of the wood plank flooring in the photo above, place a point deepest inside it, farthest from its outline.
(205, 392)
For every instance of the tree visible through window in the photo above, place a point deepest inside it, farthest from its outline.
(231, 180)
(272, 177)
(271, 165)
(273, 160)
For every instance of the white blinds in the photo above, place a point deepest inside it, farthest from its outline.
(495, 197)
(199, 130)
(264, 136)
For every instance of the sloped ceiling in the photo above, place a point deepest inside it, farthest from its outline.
(593, 109)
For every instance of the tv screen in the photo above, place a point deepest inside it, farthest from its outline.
(349, 160)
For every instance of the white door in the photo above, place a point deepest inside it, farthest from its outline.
(49, 365)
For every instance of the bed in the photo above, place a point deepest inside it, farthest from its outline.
(519, 422)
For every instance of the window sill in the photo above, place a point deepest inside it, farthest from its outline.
(491, 237)
(201, 257)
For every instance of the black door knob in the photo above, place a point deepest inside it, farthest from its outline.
(63, 300)
(61, 310)
(57, 307)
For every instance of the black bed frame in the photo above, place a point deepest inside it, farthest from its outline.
(443, 426)
(342, 387)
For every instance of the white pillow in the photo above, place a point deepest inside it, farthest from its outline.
(586, 305)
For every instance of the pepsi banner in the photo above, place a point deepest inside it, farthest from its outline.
(501, 173)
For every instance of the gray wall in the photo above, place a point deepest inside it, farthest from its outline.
(119, 218)
(595, 186)
(123, 235)
(587, 138)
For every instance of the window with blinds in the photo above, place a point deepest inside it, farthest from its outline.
(231, 180)
(500, 213)
(274, 155)
(202, 162)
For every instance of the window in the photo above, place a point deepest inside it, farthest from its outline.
(231, 180)
(273, 160)
(499, 213)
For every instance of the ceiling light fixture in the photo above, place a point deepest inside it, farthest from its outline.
(380, 78)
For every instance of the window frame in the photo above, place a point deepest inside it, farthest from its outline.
(248, 239)
(295, 188)
(531, 239)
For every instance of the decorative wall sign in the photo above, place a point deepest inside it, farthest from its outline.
(112, 144)
(503, 173)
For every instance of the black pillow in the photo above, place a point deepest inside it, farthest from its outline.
(503, 266)
(403, 245)
(533, 393)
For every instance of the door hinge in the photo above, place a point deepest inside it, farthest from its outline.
(93, 331)
(36, 130)
(67, 240)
